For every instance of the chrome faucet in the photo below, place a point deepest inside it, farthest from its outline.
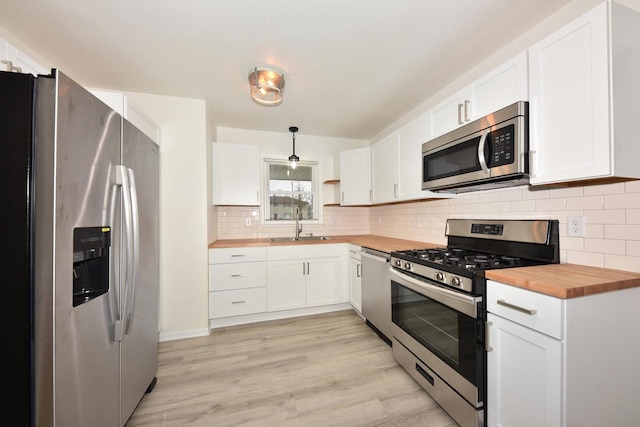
(298, 225)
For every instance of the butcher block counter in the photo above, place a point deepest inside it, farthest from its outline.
(566, 280)
(380, 243)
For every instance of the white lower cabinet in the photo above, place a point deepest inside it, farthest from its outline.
(562, 362)
(355, 277)
(306, 276)
(237, 281)
(259, 280)
(524, 376)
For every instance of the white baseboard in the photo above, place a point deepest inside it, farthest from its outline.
(172, 336)
(262, 317)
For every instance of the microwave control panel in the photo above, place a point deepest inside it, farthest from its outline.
(502, 146)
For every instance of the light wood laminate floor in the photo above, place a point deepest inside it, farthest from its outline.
(323, 370)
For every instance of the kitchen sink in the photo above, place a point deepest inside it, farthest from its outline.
(293, 239)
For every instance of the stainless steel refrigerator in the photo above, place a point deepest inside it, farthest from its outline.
(80, 189)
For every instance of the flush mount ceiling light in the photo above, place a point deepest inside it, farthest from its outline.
(293, 158)
(267, 85)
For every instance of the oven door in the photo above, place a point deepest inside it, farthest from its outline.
(444, 329)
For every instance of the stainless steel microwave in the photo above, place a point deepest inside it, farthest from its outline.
(490, 152)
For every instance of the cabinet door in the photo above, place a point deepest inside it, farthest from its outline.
(286, 285)
(569, 105)
(355, 177)
(355, 284)
(236, 174)
(410, 140)
(524, 379)
(384, 157)
(324, 282)
(447, 115)
(501, 87)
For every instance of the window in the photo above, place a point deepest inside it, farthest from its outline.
(290, 191)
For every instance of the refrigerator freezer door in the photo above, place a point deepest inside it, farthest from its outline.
(16, 173)
(139, 350)
(80, 184)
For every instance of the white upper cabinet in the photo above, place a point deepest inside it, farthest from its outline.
(505, 85)
(236, 174)
(355, 177)
(384, 165)
(410, 139)
(13, 59)
(584, 93)
(396, 163)
(499, 88)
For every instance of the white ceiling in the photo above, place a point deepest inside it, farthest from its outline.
(352, 67)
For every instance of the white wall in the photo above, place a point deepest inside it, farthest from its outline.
(183, 212)
(308, 147)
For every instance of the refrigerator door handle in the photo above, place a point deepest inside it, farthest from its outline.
(135, 235)
(122, 179)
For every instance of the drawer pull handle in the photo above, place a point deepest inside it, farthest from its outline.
(237, 255)
(238, 275)
(239, 302)
(529, 311)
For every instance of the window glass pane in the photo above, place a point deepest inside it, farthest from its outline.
(290, 191)
(283, 178)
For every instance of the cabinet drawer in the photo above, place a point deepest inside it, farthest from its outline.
(354, 251)
(505, 301)
(237, 302)
(241, 275)
(227, 255)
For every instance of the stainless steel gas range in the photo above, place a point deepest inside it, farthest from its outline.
(437, 305)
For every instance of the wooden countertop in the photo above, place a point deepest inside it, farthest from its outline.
(566, 280)
(380, 243)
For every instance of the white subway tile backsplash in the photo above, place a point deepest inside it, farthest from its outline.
(633, 216)
(622, 232)
(632, 186)
(622, 201)
(585, 258)
(632, 248)
(619, 262)
(551, 204)
(617, 188)
(595, 231)
(610, 216)
(508, 195)
(611, 212)
(604, 246)
(566, 192)
(535, 194)
(572, 243)
(585, 202)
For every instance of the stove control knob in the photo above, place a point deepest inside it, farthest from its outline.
(439, 276)
(398, 263)
(455, 281)
(407, 266)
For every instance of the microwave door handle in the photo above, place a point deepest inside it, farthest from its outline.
(481, 158)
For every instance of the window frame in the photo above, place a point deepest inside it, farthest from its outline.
(315, 185)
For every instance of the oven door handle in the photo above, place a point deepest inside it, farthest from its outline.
(466, 304)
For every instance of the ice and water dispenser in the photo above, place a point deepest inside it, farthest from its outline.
(90, 263)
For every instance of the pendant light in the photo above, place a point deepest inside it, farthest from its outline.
(293, 158)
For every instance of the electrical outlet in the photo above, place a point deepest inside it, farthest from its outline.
(247, 222)
(379, 220)
(575, 226)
